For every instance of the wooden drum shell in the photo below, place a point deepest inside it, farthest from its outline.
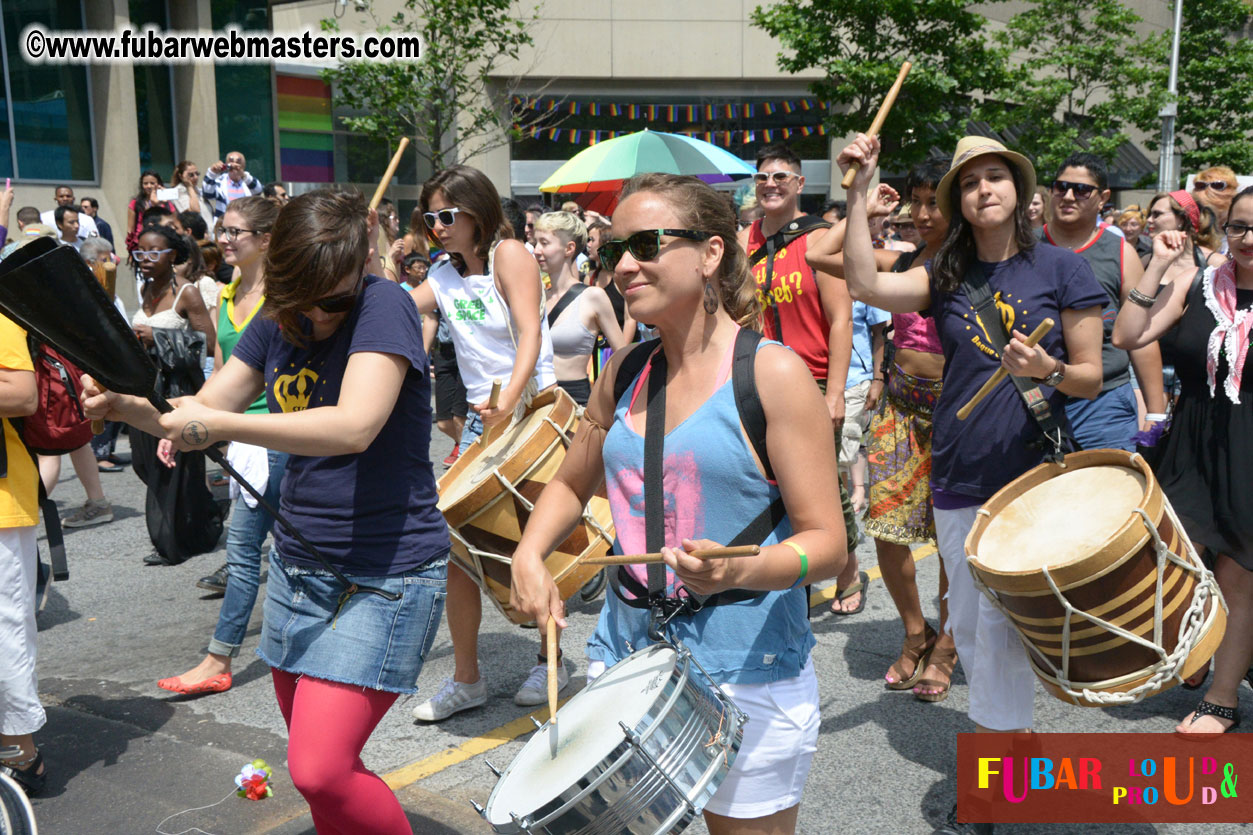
(1116, 582)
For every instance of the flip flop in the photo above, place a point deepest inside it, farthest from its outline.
(862, 584)
(1210, 709)
(217, 684)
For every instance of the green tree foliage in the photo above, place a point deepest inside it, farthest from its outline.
(443, 99)
(860, 45)
(1075, 69)
(1214, 125)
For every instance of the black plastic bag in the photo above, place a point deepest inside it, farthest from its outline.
(183, 518)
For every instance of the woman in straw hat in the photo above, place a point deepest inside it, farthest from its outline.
(984, 195)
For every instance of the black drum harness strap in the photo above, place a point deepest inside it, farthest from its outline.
(802, 225)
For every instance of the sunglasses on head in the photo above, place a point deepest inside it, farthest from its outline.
(644, 245)
(1082, 190)
(446, 217)
(339, 303)
(777, 177)
(1216, 185)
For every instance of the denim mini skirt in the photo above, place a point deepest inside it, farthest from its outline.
(372, 642)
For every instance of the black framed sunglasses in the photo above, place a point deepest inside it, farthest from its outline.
(644, 245)
(339, 303)
(1237, 231)
(446, 217)
(1082, 190)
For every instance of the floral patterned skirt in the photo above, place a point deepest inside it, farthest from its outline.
(898, 451)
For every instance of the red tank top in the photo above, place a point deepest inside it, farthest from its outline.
(794, 293)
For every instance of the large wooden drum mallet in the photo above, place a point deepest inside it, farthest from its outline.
(389, 173)
(879, 119)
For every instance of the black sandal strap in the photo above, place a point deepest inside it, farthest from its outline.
(1210, 709)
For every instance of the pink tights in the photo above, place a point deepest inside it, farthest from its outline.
(327, 725)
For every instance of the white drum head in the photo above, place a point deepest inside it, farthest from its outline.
(1061, 520)
(586, 731)
(497, 453)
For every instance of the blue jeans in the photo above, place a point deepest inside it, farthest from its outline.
(1108, 422)
(247, 533)
(472, 431)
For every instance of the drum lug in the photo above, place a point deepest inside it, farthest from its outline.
(479, 808)
(492, 768)
(522, 823)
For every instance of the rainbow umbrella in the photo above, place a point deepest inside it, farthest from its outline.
(595, 176)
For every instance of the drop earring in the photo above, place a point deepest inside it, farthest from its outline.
(710, 299)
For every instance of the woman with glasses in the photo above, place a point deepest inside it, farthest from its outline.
(238, 304)
(1178, 211)
(338, 355)
(489, 292)
(145, 199)
(675, 257)
(1208, 453)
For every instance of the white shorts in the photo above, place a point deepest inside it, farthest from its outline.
(20, 710)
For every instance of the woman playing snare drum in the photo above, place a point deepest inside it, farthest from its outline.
(673, 255)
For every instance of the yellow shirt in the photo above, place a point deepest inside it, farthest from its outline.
(19, 492)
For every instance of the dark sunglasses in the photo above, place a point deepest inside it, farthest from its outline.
(1237, 231)
(1216, 185)
(446, 217)
(339, 303)
(644, 245)
(1082, 190)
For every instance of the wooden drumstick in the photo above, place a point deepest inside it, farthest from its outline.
(993, 381)
(551, 647)
(492, 400)
(387, 175)
(700, 553)
(877, 124)
(97, 425)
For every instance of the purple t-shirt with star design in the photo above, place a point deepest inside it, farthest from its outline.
(373, 513)
(980, 455)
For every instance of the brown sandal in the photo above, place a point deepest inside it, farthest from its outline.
(918, 653)
(945, 660)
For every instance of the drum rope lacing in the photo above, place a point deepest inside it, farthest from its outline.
(1170, 665)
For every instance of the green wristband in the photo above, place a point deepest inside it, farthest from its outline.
(800, 552)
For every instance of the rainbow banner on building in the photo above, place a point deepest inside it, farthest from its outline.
(306, 146)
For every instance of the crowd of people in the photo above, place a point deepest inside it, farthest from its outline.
(324, 343)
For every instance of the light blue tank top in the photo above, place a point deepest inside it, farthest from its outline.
(712, 489)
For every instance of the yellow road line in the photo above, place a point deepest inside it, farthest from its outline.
(435, 763)
(508, 732)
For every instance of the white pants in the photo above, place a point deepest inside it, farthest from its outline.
(1002, 685)
(20, 710)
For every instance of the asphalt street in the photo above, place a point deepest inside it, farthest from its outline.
(124, 755)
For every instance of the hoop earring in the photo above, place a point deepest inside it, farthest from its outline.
(710, 299)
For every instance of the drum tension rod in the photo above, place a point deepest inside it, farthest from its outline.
(478, 807)
(492, 768)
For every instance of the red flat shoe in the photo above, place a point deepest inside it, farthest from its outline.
(217, 684)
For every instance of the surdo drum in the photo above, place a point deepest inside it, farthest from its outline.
(488, 495)
(1090, 564)
(640, 750)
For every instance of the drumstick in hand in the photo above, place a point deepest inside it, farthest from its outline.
(551, 647)
(701, 553)
(993, 381)
(492, 400)
(879, 119)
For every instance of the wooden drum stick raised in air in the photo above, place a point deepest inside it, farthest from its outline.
(993, 381)
(877, 124)
(704, 554)
(550, 640)
(492, 400)
(387, 175)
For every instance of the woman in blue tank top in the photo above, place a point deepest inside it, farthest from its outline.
(674, 256)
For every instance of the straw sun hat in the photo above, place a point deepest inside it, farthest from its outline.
(972, 147)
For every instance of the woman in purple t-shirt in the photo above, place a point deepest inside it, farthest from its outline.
(347, 625)
(984, 196)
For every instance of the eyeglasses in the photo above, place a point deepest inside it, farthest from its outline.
(446, 217)
(232, 233)
(1216, 185)
(149, 254)
(1236, 231)
(339, 303)
(644, 245)
(777, 177)
(1082, 190)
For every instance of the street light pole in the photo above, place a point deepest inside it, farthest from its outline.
(1167, 177)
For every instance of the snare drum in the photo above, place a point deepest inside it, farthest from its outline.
(640, 750)
(487, 496)
(1090, 564)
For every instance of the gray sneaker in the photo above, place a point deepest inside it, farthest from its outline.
(93, 512)
(534, 691)
(453, 697)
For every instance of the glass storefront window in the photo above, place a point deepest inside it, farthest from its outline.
(245, 94)
(50, 105)
(154, 100)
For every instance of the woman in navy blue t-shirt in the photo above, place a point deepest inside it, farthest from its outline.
(339, 357)
(984, 196)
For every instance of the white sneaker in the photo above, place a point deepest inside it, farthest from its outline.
(534, 691)
(453, 697)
